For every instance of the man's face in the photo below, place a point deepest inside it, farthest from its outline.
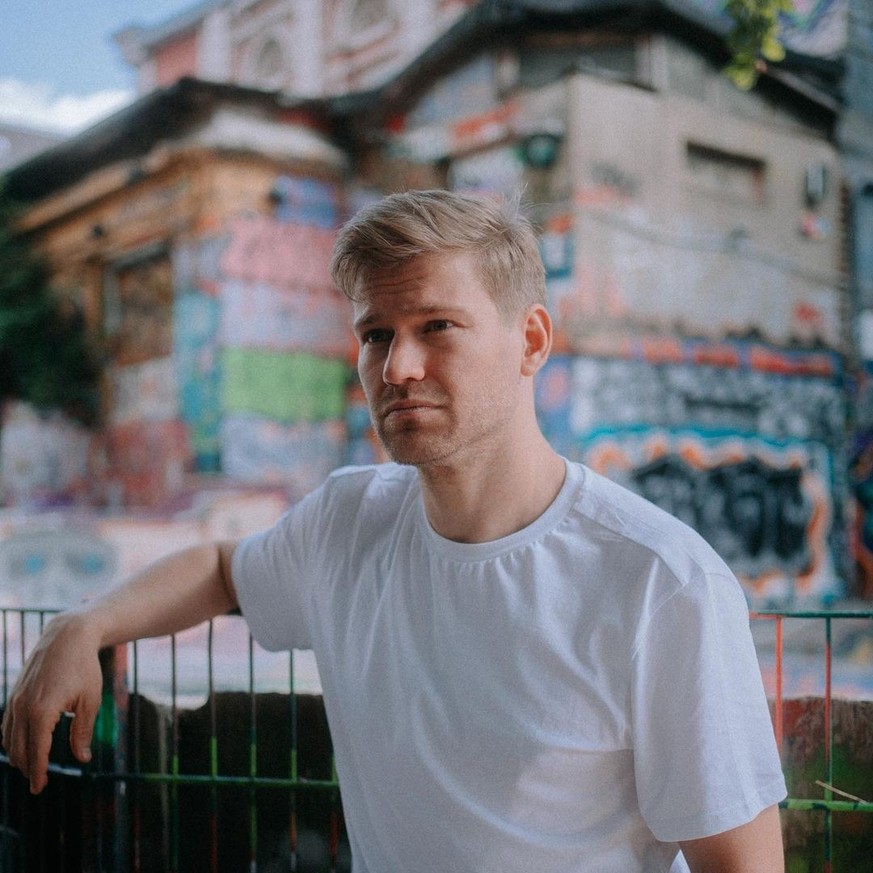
(439, 364)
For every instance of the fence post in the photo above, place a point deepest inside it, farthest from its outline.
(110, 825)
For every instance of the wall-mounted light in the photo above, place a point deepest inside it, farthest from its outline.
(540, 150)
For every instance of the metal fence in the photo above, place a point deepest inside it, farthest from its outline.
(210, 756)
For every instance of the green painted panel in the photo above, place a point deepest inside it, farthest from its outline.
(285, 387)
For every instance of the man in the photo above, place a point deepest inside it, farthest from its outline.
(524, 665)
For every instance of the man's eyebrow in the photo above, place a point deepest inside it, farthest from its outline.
(369, 318)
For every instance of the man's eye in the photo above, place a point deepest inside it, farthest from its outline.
(375, 336)
(438, 325)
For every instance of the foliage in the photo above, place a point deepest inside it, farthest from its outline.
(46, 356)
(754, 38)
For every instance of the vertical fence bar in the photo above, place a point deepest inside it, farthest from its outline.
(253, 762)
(213, 751)
(334, 819)
(174, 761)
(41, 805)
(779, 708)
(829, 746)
(293, 770)
(136, 796)
(7, 839)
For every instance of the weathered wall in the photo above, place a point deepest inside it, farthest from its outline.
(700, 307)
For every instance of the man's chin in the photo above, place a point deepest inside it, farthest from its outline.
(409, 451)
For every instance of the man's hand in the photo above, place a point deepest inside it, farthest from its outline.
(755, 847)
(62, 675)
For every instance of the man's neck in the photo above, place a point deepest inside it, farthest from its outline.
(488, 498)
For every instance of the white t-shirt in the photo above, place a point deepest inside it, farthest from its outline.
(577, 696)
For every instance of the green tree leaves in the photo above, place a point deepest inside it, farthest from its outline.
(754, 38)
(46, 356)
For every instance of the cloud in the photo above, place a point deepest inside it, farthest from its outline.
(40, 106)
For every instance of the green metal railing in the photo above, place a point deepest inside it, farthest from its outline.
(245, 779)
(835, 800)
(174, 788)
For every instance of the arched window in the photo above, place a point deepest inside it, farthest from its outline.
(364, 14)
(269, 66)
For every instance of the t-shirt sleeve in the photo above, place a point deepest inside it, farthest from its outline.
(271, 577)
(704, 751)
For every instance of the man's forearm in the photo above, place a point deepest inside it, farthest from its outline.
(170, 595)
(63, 673)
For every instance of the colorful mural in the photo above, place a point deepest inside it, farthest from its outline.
(284, 341)
(748, 454)
(44, 459)
(198, 375)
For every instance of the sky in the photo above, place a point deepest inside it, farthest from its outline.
(60, 69)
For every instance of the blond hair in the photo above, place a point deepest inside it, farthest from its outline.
(404, 226)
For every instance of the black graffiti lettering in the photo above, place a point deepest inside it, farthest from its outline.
(755, 515)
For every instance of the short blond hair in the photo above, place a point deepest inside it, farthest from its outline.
(404, 226)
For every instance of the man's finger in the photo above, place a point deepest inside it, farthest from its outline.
(82, 729)
(39, 743)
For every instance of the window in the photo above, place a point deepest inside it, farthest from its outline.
(270, 64)
(365, 14)
(138, 310)
(729, 175)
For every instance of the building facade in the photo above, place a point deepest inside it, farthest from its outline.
(701, 246)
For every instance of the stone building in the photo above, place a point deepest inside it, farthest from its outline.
(700, 245)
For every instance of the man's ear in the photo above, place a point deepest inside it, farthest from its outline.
(537, 339)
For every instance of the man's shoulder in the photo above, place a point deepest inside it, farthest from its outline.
(636, 522)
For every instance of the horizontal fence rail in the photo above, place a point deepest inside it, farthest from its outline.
(213, 755)
(824, 731)
(207, 757)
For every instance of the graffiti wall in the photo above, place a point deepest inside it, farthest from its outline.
(748, 455)
(230, 354)
(284, 341)
(45, 460)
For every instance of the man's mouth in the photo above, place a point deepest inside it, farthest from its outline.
(406, 405)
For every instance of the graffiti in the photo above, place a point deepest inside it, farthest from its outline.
(757, 473)
(765, 507)
(613, 177)
(147, 461)
(639, 276)
(283, 387)
(579, 395)
(497, 171)
(44, 459)
(262, 249)
(53, 568)
(314, 320)
(305, 201)
(195, 356)
(755, 516)
(264, 452)
(145, 391)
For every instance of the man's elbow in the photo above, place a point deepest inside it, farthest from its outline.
(755, 847)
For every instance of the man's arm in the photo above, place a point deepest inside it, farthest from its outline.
(755, 847)
(63, 674)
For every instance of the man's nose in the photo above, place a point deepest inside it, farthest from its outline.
(405, 362)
